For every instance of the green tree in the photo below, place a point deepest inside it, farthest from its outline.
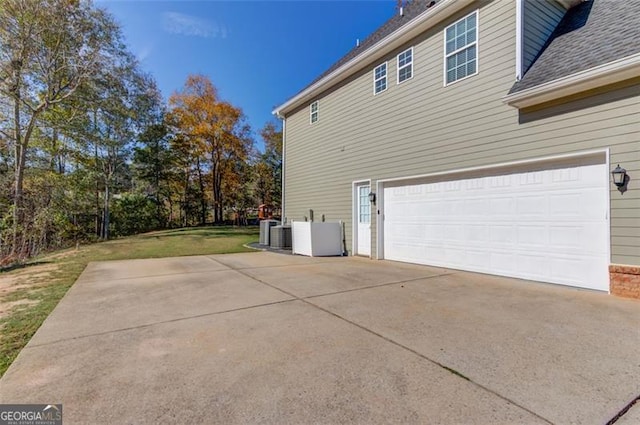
(124, 102)
(154, 166)
(48, 49)
(134, 213)
(72, 101)
(268, 167)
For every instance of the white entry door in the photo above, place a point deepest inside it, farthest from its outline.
(363, 220)
(549, 225)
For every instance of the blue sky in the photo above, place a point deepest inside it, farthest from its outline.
(257, 53)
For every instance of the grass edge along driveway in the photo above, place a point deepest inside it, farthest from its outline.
(28, 294)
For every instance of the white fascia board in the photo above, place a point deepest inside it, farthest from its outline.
(524, 162)
(609, 73)
(413, 28)
(519, 38)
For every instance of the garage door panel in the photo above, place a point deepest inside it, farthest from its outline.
(567, 204)
(504, 263)
(567, 237)
(476, 206)
(531, 265)
(475, 233)
(532, 205)
(546, 225)
(532, 236)
(572, 205)
(503, 235)
(530, 179)
(567, 269)
(477, 258)
(502, 206)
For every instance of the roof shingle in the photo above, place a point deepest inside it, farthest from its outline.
(590, 34)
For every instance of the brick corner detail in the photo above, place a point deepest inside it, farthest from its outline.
(624, 280)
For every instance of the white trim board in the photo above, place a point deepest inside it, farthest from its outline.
(355, 215)
(519, 38)
(599, 76)
(551, 158)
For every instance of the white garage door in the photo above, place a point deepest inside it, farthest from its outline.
(548, 225)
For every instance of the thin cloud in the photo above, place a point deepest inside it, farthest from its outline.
(179, 23)
(144, 53)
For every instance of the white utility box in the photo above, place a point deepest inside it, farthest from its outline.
(316, 239)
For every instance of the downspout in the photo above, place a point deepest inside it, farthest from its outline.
(284, 155)
(519, 38)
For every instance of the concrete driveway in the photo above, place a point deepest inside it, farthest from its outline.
(269, 338)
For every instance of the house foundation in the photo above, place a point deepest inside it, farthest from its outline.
(624, 280)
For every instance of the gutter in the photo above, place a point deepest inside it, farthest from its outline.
(602, 75)
(283, 217)
(405, 33)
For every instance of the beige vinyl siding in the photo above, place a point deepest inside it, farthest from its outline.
(421, 127)
(540, 19)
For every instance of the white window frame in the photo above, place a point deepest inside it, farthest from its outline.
(386, 80)
(398, 69)
(475, 43)
(316, 112)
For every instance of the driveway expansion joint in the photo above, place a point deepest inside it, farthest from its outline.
(400, 345)
(435, 362)
(268, 267)
(379, 285)
(162, 322)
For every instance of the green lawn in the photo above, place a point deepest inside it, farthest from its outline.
(31, 292)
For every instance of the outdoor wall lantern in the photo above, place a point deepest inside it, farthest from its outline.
(620, 178)
(372, 197)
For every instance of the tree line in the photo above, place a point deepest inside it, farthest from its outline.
(89, 150)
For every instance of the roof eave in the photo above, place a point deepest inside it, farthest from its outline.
(413, 28)
(609, 73)
(568, 4)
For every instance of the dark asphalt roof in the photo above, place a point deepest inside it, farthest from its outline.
(410, 11)
(592, 33)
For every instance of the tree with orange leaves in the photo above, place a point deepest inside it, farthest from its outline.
(218, 138)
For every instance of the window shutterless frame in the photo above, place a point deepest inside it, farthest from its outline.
(314, 110)
(460, 49)
(380, 78)
(405, 65)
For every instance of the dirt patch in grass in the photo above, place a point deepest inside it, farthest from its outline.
(6, 307)
(15, 287)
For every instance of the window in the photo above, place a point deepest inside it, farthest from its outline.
(405, 65)
(380, 78)
(314, 111)
(364, 206)
(461, 49)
